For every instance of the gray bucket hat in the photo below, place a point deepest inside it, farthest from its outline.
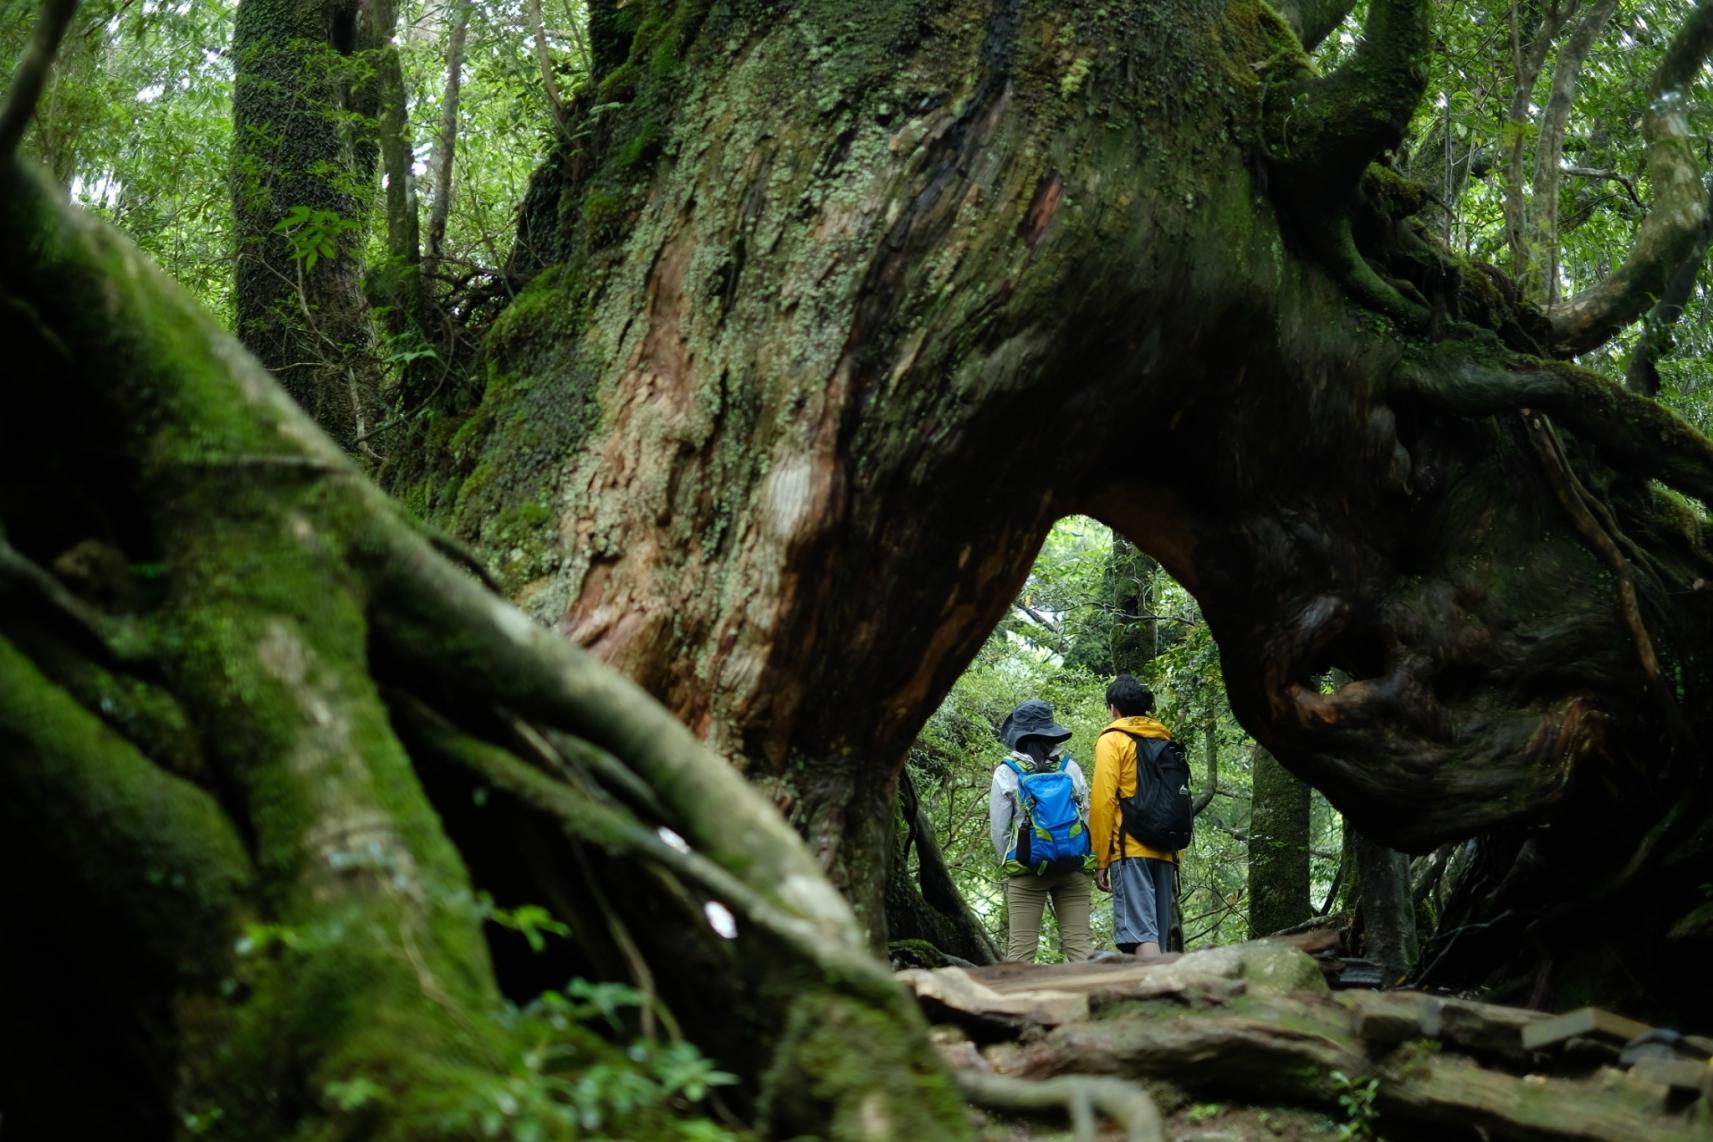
(1033, 718)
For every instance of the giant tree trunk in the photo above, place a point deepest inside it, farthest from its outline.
(758, 432)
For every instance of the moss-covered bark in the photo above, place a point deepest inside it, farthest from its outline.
(741, 376)
(1125, 635)
(212, 626)
(759, 432)
(308, 78)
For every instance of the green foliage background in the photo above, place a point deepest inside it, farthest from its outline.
(1072, 586)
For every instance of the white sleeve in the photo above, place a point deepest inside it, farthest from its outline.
(1001, 807)
(1079, 784)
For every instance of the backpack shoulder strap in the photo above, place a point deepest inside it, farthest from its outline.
(1152, 744)
(1011, 762)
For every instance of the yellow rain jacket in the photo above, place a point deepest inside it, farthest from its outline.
(1115, 777)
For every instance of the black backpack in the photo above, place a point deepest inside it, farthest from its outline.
(1161, 813)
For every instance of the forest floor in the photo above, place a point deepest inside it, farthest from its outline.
(1249, 1041)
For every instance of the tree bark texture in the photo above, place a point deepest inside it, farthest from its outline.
(1127, 637)
(1278, 847)
(761, 446)
(305, 135)
(1386, 907)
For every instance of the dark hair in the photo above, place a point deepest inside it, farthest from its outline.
(1129, 697)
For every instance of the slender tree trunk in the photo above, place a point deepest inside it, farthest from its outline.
(446, 139)
(396, 288)
(1278, 847)
(1386, 907)
(398, 159)
(1528, 52)
(1549, 148)
(544, 60)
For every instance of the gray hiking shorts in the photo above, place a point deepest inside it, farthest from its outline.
(1142, 900)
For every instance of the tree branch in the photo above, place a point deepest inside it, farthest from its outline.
(1549, 150)
(1668, 233)
(1619, 177)
(1642, 373)
(544, 57)
(32, 75)
(1327, 132)
(1038, 617)
(1633, 430)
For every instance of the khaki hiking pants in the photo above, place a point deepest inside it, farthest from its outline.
(1026, 898)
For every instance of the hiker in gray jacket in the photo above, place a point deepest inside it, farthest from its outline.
(1036, 743)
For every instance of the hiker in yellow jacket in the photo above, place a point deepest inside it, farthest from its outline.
(1140, 879)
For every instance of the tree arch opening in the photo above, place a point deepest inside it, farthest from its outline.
(1093, 606)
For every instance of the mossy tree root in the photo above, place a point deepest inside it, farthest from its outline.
(310, 630)
(1078, 1096)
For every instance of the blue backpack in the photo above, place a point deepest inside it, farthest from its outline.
(1052, 837)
